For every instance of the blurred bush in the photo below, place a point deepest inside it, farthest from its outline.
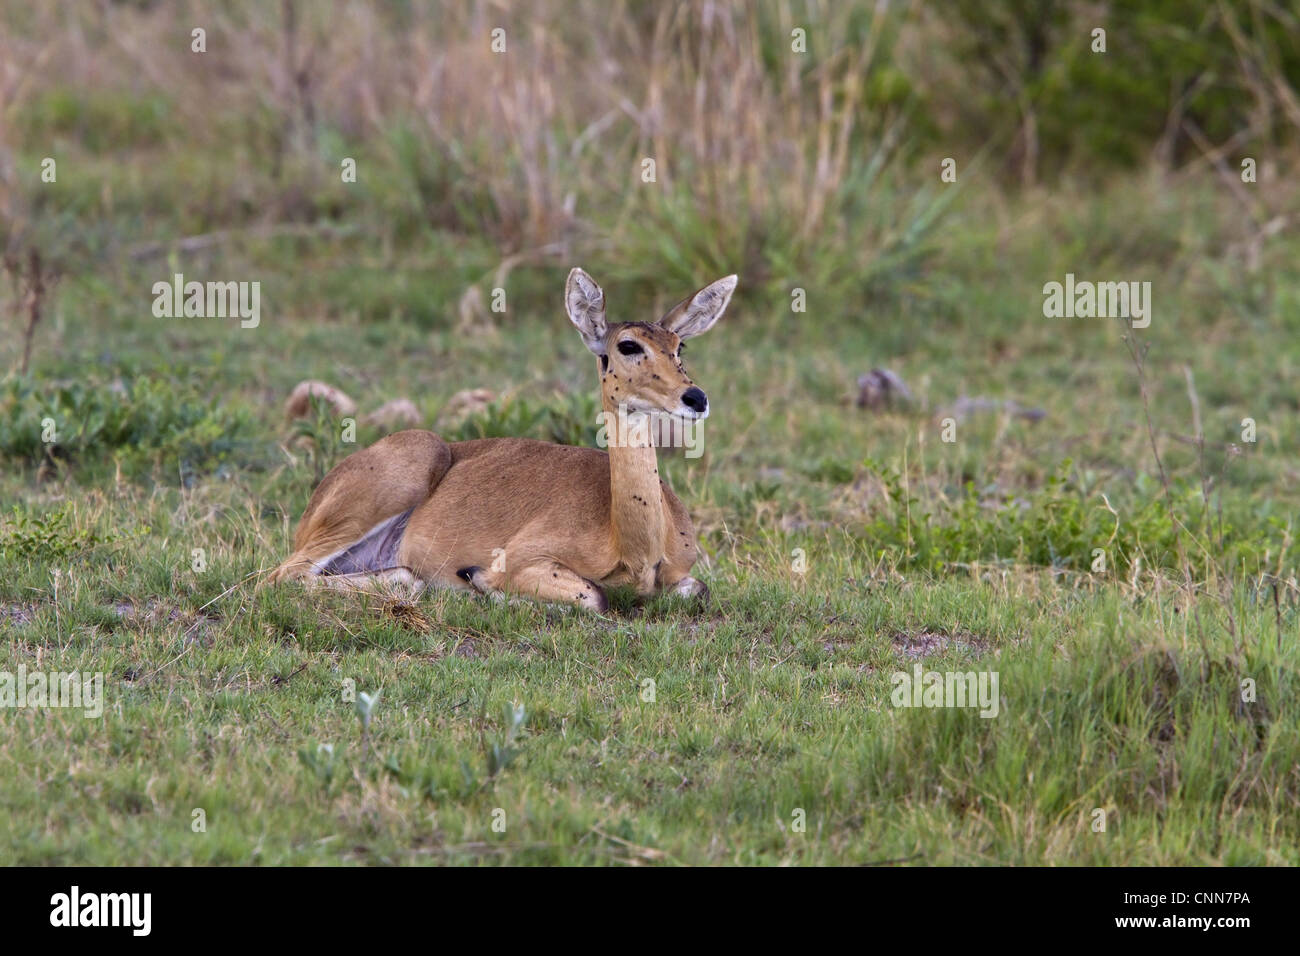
(1171, 72)
(819, 165)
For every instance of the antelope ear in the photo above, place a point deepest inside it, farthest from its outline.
(585, 303)
(696, 314)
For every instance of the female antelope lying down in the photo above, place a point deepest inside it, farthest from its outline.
(513, 515)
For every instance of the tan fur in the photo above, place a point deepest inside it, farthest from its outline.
(554, 522)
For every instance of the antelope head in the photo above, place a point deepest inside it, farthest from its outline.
(641, 362)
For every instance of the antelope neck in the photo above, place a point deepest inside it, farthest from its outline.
(636, 503)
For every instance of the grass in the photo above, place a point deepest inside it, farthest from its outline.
(774, 700)
(842, 545)
(1121, 688)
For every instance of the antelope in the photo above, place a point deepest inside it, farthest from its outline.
(514, 516)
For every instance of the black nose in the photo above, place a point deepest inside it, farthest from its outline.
(694, 399)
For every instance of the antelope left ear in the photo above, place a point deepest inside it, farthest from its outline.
(696, 314)
(585, 303)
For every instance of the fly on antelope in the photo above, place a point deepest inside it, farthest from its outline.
(523, 517)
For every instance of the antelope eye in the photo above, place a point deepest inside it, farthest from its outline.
(628, 347)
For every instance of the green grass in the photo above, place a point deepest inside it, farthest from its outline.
(776, 699)
(1121, 688)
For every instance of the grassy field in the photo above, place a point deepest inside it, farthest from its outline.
(841, 544)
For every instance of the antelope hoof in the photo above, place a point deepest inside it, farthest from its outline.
(592, 597)
(688, 587)
(476, 579)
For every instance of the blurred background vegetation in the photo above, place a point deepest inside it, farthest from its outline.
(818, 169)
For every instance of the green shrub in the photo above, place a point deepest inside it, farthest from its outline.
(1061, 526)
(49, 536)
(139, 423)
(569, 421)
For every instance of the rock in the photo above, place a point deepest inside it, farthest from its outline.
(466, 403)
(880, 387)
(299, 403)
(966, 406)
(400, 411)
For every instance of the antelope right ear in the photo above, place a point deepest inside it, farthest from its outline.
(585, 303)
(696, 314)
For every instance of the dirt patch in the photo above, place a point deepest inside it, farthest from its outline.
(929, 643)
(17, 614)
(196, 626)
(153, 612)
(833, 643)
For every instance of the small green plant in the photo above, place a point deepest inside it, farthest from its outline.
(501, 752)
(569, 420)
(49, 536)
(365, 706)
(503, 418)
(321, 760)
(321, 428)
